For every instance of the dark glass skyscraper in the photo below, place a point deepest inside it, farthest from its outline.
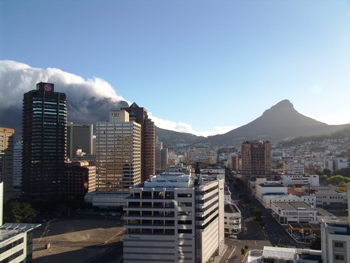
(44, 131)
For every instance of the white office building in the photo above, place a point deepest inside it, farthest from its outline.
(300, 179)
(269, 188)
(16, 242)
(299, 212)
(174, 218)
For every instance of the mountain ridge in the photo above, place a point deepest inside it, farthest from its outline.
(277, 123)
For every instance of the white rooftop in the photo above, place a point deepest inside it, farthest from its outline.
(169, 180)
(279, 252)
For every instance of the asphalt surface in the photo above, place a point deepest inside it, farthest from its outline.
(252, 234)
(78, 238)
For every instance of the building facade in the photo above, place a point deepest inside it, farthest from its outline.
(80, 178)
(118, 154)
(17, 170)
(44, 131)
(174, 218)
(256, 157)
(232, 219)
(6, 160)
(79, 137)
(300, 180)
(16, 242)
(148, 139)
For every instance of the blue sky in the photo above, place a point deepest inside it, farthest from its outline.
(198, 66)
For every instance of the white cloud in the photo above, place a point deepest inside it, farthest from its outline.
(90, 99)
(187, 128)
(17, 78)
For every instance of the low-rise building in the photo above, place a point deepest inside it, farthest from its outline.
(233, 218)
(300, 179)
(299, 212)
(270, 188)
(268, 199)
(283, 254)
(326, 195)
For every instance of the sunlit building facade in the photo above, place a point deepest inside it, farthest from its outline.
(6, 160)
(256, 157)
(118, 154)
(148, 139)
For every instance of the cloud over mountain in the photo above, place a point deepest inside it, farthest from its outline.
(88, 101)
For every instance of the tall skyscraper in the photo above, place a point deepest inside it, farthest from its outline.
(79, 137)
(44, 131)
(256, 157)
(118, 154)
(6, 160)
(148, 139)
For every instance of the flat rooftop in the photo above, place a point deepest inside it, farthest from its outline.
(229, 208)
(293, 205)
(8, 230)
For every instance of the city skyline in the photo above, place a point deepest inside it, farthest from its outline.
(191, 64)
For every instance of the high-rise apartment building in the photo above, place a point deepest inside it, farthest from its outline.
(79, 137)
(256, 157)
(44, 131)
(118, 154)
(148, 139)
(6, 160)
(174, 218)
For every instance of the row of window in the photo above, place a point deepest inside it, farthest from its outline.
(11, 245)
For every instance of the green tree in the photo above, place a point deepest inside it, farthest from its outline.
(336, 179)
(18, 212)
(323, 178)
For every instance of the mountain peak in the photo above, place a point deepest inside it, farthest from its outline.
(282, 106)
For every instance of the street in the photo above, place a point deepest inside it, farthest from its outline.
(252, 234)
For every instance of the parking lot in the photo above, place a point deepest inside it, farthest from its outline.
(77, 240)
